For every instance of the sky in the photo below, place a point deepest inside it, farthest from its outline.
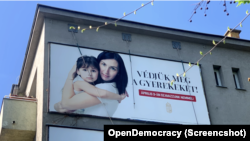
(17, 18)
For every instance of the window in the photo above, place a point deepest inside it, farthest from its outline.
(236, 78)
(217, 72)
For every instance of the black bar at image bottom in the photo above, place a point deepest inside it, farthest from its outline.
(117, 132)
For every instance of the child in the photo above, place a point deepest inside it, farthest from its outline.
(87, 69)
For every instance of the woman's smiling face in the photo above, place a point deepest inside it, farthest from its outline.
(108, 69)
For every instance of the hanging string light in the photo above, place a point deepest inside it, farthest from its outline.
(115, 22)
(215, 45)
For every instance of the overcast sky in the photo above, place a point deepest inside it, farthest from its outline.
(17, 18)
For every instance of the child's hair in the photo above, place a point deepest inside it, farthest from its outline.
(85, 62)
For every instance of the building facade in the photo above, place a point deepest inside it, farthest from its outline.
(222, 76)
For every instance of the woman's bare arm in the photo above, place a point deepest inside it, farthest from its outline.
(68, 91)
(92, 90)
(80, 101)
(58, 107)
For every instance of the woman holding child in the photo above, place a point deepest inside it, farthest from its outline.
(92, 82)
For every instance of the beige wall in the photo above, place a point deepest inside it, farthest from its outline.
(22, 112)
(1, 118)
(39, 65)
(234, 34)
(37, 74)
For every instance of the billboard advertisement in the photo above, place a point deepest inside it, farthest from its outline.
(110, 84)
(67, 134)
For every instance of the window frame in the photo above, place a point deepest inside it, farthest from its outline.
(218, 75)
(236, 79)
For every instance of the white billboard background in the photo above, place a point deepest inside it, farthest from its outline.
(155, 108)
(63, 58)
(69, 134)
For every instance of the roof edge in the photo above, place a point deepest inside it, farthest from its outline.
(28, 46)
(112, 18)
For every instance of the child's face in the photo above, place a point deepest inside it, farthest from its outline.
(89, 74)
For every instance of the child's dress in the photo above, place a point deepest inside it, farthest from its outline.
(78, 78)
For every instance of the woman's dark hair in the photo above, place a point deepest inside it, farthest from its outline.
(85, 62)
(121, 79)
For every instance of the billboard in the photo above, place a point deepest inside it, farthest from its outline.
(67, 134)
(93, 84)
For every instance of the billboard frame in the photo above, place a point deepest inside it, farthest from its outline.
(133, 120)
(68, 127)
